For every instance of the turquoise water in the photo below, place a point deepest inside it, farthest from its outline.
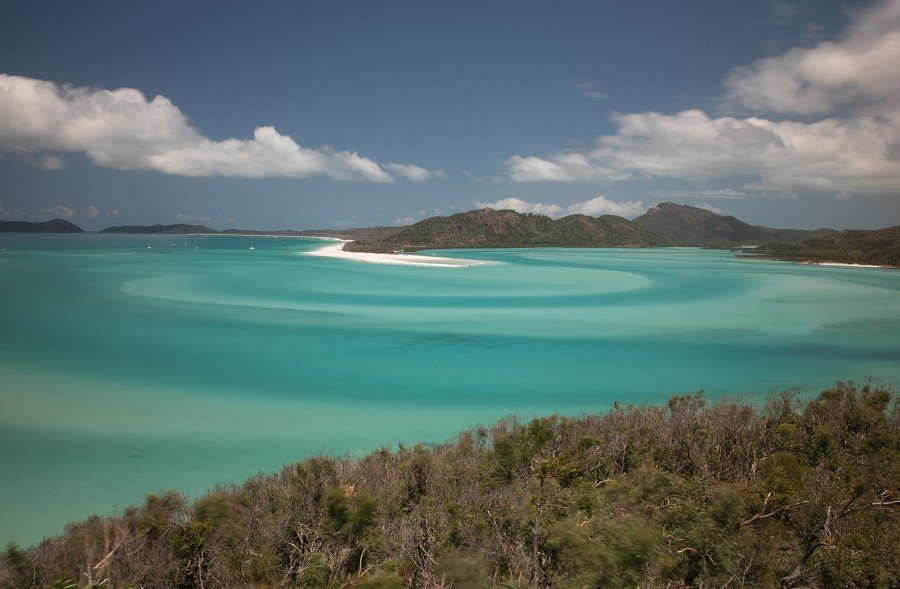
(126, 371)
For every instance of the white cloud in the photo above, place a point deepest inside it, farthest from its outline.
(51, 162)
(711, 208)
(854, 150)
(601, 205)
(521, 206)
(860, 67)
(855, 155)
(594, 207)
(590, 90)
(410, 218)
(59, 211)
(414, 173)
(10, 214)
(189, 218)
(718, 193)
(122, 129)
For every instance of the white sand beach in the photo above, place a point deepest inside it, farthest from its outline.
(334, 250)
(848, 265)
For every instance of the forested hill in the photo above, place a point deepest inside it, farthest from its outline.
(178, 228)
(54, 226)
(665, 224)
(490, 228)
(789, 493)
(692, 226)
(879, 247)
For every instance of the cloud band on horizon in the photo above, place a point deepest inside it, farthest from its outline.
(121, 129)
(594, 207)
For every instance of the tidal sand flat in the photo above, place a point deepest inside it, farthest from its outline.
(336, 251)
(127, 371)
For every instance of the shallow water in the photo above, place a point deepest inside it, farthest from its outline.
(125, 371)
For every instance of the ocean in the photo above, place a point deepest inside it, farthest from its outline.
(126, 370)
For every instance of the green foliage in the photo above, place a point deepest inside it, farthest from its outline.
(463, 572)
(315, 572)
(686, 494)
(349, 515)
(880, 247)
(385, 581)
(490, 228)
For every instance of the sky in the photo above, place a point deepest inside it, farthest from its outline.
(318, 114)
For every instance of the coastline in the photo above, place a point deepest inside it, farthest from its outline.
(845, 265)
(336, 250)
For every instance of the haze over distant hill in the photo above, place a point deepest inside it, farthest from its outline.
(54, 226)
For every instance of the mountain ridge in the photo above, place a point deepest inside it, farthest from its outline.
(693, 226)
(877, 247)
(664, 224)
(52, 226)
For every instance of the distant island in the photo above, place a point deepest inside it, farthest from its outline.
(790, 493)
(54, 226)
(183, 229)
(665, 224)
(879, 247)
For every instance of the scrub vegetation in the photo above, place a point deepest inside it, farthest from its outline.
(791, 492)
(879, 247)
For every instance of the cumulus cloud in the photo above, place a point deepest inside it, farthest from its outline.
(521, 206)
(59, 211)
(853, 150)
(414, 173)
(601, 205)
(859, 68)
(594, 207)
(122, 129)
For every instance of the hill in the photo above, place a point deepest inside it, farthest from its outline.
(879, 247)
(182, 229)
(178, 228)
(692, 226)
(54, 226)
(495, 229)
(788, 493)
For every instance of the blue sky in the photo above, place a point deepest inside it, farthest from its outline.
(329, 114)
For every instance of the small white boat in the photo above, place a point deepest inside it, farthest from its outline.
(252, 248)
(149, 248)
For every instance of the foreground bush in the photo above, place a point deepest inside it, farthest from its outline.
(793, 493)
